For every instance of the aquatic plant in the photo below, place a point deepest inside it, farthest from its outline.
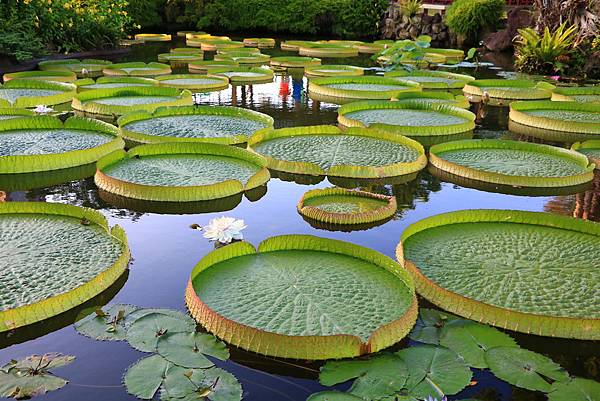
(25, 93)
(344, 89)
(54, 76)
(501, 91)
(222, 229)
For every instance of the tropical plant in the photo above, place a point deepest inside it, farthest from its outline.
(549, 52)
(410, 7)
(584, 15)
(472, 17)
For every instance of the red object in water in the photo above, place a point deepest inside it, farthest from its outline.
(284, 88)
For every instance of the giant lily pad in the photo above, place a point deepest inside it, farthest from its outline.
(195, 82)
(433, 369)
(284, 62)
(181, 172)
(576, 389)
(215, 124)
(302, 297)
(189, 349)
(326, 150)
(434, 97)
(376, 378)
(528, 286)
(153, 37)
(32, 376)
(245, 75)
(556, 121)
(57, 257)
(243, 58)
(83, 68)
(344, 89)
(114, 82)
(39, 144)
(342, 206)
(577, 94)
(54, 76)
(29, 93)
(501, 91)
(137, 69)
(429, 79)
(328, 50)
(13, 112)
(179, 58)
(425, 122)
(145, 332)
(524, 368)
(332, 70)
(119, 101)
(108, 324)
(516, 163)
(208, 66)
(590, 148)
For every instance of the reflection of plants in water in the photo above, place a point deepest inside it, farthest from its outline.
(179, 367)
(441, 365)
(31, 376)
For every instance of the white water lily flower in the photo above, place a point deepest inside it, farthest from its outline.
(84, 71)
(43, 109)
(224, 229)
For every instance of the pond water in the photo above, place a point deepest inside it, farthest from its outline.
(165, 250)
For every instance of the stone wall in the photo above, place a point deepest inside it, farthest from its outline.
(398, 26)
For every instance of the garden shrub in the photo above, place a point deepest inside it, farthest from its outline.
(347, 18)
(472, 17)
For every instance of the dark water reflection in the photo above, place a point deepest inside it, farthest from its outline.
(165, 250)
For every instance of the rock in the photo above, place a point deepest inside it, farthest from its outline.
(413, 32)
(437, 18)
(592, 66)
(436, 28)
(518, 17)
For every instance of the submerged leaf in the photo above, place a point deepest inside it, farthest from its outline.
(144, 378)
(523, 368)
(31, 376)
(433, 370)
(109, 324)
(377, 377)
(430, 324)
(188, 349)
(577, 389)
(213, 384)
(145, 332)
(471, 340)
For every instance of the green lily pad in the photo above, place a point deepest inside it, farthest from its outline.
(377, 377)
(471, 340)
(31, 376)
(524, 368)
(145, 332)
(213, 384)
(139, 313)
(188, 349)
(577, 389)
(108, 324)
(433, 369)
(144, 378)
(333, 396)
(430, 324)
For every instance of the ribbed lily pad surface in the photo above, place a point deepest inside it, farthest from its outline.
(406, 117)
(57, 257)
(366, 87)
(12, 95)
(196, 126)
(567, 115)
(109, 85)
(313, 291)
(181, 170)
(523, 270)
(133, 100)
(345, 204)
(49, 141)
(190, 81)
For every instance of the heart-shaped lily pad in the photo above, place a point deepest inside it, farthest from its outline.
(430, 324)
(188, 349)
(577, 389)
(108, 324)
(212, 384)
(144, 378)
(333, 396)
(146, 331)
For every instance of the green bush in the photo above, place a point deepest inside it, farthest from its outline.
(33, 27)
(548, 53)
(347, 18)
(471, 17)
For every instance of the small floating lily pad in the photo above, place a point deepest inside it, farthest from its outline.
(145, 332)
(195, 82)
(188, 350)
(137, 69)
(471, 263)
(333, 396)
(284, 62)
(590, 148)
(333, 70)
(119, 101)
(430, 324)
(507, 162)
(577, 389)
(326, 150)
(216, 124)
(114, 82)
(428, 123)
(501, 91)
(429, 79)
(54, 76)
(556, 121)
(524, 368)
(342, 206)
(343, 89)
(181, 172)
(245, 75)
(577, 94)
(212, 384)
(26, 93)
(58, 256)
(144, 378)
(359, 302)
(108, 324)
(44, 143)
